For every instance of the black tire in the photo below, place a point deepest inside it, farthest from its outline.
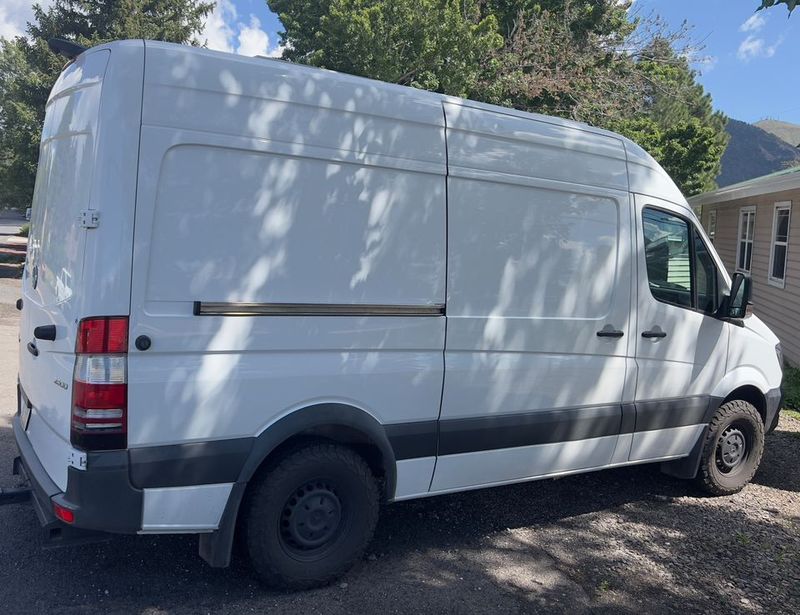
(310, 517)
(732, 449)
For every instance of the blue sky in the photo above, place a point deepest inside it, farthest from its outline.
(748, 64)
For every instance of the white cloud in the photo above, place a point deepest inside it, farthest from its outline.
(753, 47)
(15, 14)
(253, 41)
(277, 52)
(217, 32)
(754, 23)
(223, 31)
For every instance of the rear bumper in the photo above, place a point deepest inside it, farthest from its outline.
(101, 497)
(42, 487)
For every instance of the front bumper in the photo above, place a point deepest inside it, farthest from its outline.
(101, 497)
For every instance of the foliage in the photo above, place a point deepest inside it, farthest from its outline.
(588, 60)
(677, 124)
(28, 69)
(436, 45)
(24, 230)
(791, 387)
(689, 150)
(790, 4)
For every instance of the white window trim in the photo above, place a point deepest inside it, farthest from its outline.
(744, 210)
(779, 206)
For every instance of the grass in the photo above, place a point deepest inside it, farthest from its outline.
(791, 388)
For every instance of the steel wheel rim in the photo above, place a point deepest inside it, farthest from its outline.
(733, 448)
(311, 519)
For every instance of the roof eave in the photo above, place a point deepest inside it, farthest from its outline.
(747, 190)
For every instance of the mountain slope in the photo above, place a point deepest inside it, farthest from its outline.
(753, 152)
(783, 130)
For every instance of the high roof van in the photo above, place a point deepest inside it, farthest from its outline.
(261, 298)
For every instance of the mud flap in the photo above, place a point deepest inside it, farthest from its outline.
(686, 467)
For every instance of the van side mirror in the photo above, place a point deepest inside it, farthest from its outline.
(739, 299)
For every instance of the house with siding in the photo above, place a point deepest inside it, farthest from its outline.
(755, 232)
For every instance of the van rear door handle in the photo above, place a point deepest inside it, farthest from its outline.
(45, 332)
(654, 333)
(609, 331)
(33, 349)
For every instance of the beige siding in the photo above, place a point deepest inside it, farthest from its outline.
(778, 307)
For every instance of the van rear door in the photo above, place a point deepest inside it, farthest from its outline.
(53, 284)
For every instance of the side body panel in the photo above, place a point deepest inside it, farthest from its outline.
(539, 262)
(270, 184)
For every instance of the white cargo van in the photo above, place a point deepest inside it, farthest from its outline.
(261, 298)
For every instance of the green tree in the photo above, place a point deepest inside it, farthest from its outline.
(28, 69)
(559, 62)
(436, 45)
(677, 123)
(790, 4)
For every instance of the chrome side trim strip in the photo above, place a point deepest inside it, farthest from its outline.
(203, 308)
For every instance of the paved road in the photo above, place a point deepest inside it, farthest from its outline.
(10, 223)
(627, 541)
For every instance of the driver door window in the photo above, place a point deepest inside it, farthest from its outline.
(680, 269)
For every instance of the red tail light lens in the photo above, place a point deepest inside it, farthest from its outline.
(65, 514)
(99, 384)
(102, 335)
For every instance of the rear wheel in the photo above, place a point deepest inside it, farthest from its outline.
(310, 518)
(732, 449)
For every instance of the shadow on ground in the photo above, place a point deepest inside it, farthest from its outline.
(629, 540)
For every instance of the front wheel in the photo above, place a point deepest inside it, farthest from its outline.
(732, 450)
(310, 518)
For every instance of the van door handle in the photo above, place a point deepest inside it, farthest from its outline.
(33, 349)
(45, 332)
(657, 333)
(609, 331)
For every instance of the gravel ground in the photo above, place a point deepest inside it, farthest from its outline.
(621, 541)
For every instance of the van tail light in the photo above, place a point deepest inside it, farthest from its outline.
(65, 514)
(100, 384)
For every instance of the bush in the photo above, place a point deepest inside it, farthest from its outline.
(24, 230)
(791, 388)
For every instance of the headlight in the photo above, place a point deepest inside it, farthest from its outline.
(779, 352)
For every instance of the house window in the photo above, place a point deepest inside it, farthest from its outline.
(747, 227)
(712, 224)
(780, 243)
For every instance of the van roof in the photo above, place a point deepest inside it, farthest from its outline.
(646, 175)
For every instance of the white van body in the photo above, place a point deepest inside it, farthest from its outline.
(304, 252)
